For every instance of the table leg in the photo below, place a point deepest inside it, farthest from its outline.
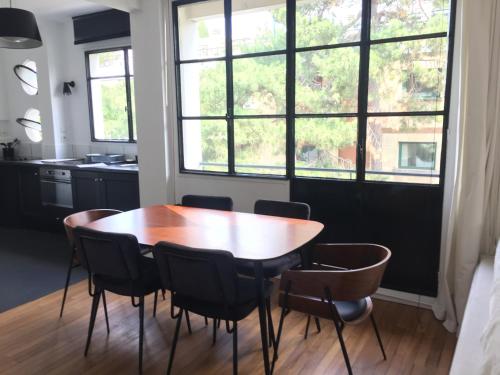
(259, 278)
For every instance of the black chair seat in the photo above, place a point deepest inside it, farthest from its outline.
(148, 283)
(351, 310)
(247, 302)
(271, 268)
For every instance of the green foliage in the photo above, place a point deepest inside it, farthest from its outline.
(406, 76)
(114, 103)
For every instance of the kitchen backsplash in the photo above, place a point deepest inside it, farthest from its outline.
(36, 150)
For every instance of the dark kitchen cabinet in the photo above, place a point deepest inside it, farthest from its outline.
(87, 191)
(9, 196)
(91, 190)
(30, 199)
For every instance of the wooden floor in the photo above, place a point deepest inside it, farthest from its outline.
(33, 340)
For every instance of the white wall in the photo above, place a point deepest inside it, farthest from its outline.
(76, 105)
(65, 119)
(154, 141)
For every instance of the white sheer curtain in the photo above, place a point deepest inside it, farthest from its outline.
(471, 222)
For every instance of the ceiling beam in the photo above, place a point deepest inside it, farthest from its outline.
(125, 5)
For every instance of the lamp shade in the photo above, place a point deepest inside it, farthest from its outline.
(18, 29)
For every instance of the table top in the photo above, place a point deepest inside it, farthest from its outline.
(246, 236)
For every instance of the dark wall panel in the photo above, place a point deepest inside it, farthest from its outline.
(101, 26)
(405, 218)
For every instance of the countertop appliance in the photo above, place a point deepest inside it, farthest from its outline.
(104, 158)
(56, 187)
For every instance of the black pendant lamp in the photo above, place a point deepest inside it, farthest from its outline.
(18, 29)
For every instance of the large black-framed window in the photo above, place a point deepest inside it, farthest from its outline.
(110, 87)
(313, 89)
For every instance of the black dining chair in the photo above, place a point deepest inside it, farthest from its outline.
(207, 201)
(212, 203)
(117, 265)
(338, 287)
(205, 282)
(275, 267)
(70, 223)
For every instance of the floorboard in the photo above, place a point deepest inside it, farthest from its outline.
(33, 340)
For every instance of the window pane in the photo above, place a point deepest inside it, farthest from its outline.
(410, 17)
(202, 30)
(323, 22)
(327, 81)
(408, 76)
(205, 145)
(260, 146)
(109, 107)
(404, 149)
(107, 64)
(131, 62)
(326, 147)
(259, 85)
(203, 87)
(258, 30)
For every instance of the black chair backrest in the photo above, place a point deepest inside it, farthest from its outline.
(203, 275)
(108, 254)
(206, 201)
(294, 210)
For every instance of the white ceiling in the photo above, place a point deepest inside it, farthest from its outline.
(56, 8)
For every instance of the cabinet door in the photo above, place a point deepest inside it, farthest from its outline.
(9, 198)
(121, 191)
(30, 200)
(87, 191)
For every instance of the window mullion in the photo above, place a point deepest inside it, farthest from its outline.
(290, 88)
(364, 76)
(129, 98)
(229, 85)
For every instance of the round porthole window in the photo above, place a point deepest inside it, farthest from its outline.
(26, 73)
(32, 124)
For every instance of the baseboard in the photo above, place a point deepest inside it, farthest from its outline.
(405, 298)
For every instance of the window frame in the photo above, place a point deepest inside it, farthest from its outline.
(362, 114)
(127, 76)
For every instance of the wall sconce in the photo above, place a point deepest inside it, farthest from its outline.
(67, 88)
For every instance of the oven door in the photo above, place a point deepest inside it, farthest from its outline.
(56, 193)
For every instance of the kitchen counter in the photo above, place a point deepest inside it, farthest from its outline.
(115, 168)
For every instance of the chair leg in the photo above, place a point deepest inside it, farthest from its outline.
(174, 344)
(206, 320)
(66, 286)
(141, 331)
(278, 338)
(93, 313)
(235, 347)
(214, 337)
(155, 304)
(188, 322)
(342, 345)
(307, 326)
(372, 318)
(272, 338)
(318, 326)
(105, 306)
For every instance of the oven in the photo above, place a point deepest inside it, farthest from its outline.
(56, 187)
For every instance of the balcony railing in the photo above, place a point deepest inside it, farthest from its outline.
(313, 169)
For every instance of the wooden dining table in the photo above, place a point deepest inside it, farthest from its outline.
(250, 237)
